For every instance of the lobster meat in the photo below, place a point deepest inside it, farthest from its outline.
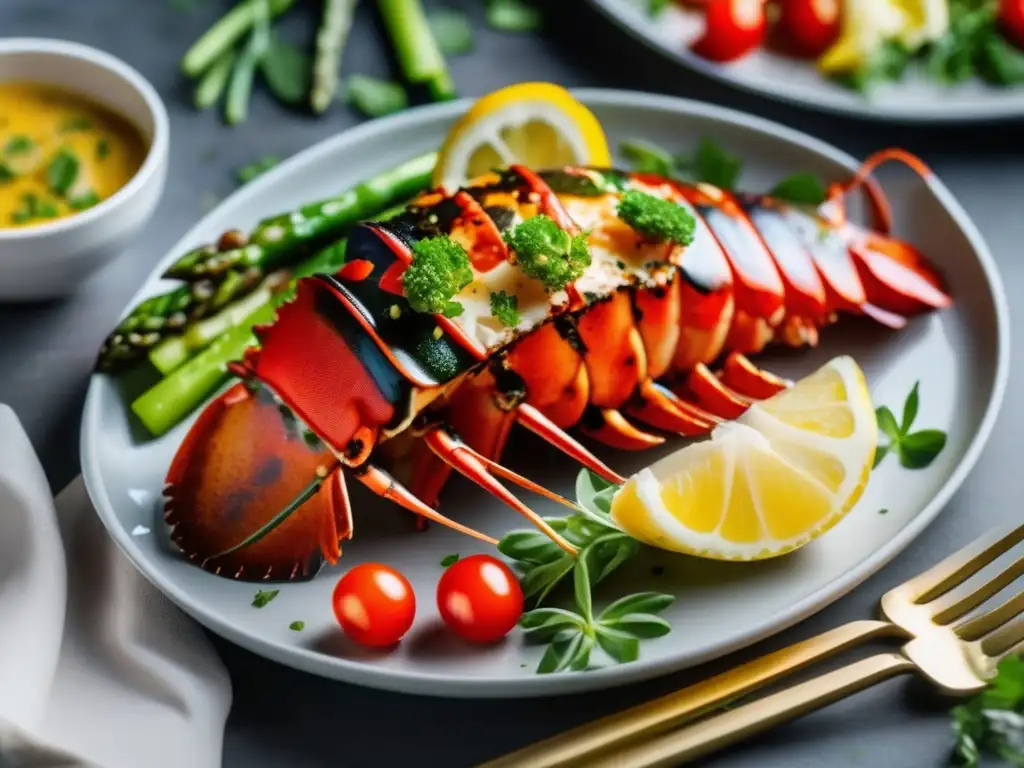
(350, 383)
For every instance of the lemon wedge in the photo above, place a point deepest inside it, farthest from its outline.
(539, 125)
(782, 474)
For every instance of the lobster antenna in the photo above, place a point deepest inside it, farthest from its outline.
(879, 203)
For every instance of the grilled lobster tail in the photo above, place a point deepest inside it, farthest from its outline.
(350, 378)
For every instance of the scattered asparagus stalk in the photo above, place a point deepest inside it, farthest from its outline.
(222, 36)
(169, 314)
(274, 240)
(330, 44)
(213, 83)
(418, 53)
(236, 105)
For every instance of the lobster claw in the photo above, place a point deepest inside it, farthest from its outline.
(250, 495)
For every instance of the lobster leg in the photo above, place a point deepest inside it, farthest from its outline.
(746, 379)
(467, 462)
(542, 426)
(658, 407)
(710, 393)
(385, 486)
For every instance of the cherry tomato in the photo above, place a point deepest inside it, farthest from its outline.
(374, 604)
(809, 27)
(733, 28)
(479, 598)
(1011, 19)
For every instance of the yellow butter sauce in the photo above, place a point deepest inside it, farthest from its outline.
(60, 154)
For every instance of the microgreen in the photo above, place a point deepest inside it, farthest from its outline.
(505, 307)
(448, 560)
(804, 188)
(603, 547)
(916, 450)
(992, 723)
(264, 596)
(250, 171)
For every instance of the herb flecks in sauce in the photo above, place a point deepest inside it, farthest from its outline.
(60, 154)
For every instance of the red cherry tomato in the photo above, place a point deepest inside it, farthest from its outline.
(733, 28)
(1011, 19)
(479, 598)
(374, 604)
(809, 27)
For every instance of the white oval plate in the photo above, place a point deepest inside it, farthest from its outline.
(916, 98)
(960, 355)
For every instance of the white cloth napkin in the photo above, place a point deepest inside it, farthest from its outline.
(97, 668)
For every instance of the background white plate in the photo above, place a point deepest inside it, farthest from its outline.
(916, 98)
(960, 355)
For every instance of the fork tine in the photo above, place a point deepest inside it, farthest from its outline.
(947, 608)
(1008, 635)
(959, 566)
(983, 625)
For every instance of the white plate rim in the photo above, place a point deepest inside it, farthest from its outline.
(545, 685)
(820, 101)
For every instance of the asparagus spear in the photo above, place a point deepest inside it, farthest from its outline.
(171, 399)
(418, 54)
(222, 36)
(330, 44)
(213, 83)
(274, 240)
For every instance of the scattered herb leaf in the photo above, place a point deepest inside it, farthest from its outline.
(264, 596)
(62, 172)
(916, 450)
(883, 511)
(655, 7)
(712, 164)
(287, 70)
(452, 30)
(513, 16)
(18, 145)
(248, 172)
(449, 560)
(76, 124)
(373, 97)
(804, 188)
(297, 626)
(6, 174)
(505, 308)
(647, 158)
(102, 149)
(83, 201)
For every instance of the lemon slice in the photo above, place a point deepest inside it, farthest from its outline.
(539, 125)
(782, 474)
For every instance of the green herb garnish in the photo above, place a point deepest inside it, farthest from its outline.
(264, 596)
(888, 62)
(18, 145)
(548, 253)
(452, 30)
(34, 207)
(102, 149)
(76, 124)
(297, 626)
(439, 270)
(448, 560)
(656, 7)
(804, 188)
(513, 16)
(992, 723)
(6, 174)
(505, 308)
(373, 97)
(656, 218)
(83, 201)
(712, 164)
(62, 172)
(248, 172)
(883, 511)
(287, 71)
(648, 158)
(915, 449)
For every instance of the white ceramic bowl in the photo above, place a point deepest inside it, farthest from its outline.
(52, 259)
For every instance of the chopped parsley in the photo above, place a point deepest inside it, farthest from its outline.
(548, 253)
(439, 270)
(505, 308)
(264, 596)
(102, 149)
(62, 172)
(34, 207)
(656, 218)
(6, 174)
(18, 145)
(449, 560)
(85, 200)
(248, 172)
(297, 626)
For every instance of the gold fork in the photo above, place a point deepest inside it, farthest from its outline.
(921, 607)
